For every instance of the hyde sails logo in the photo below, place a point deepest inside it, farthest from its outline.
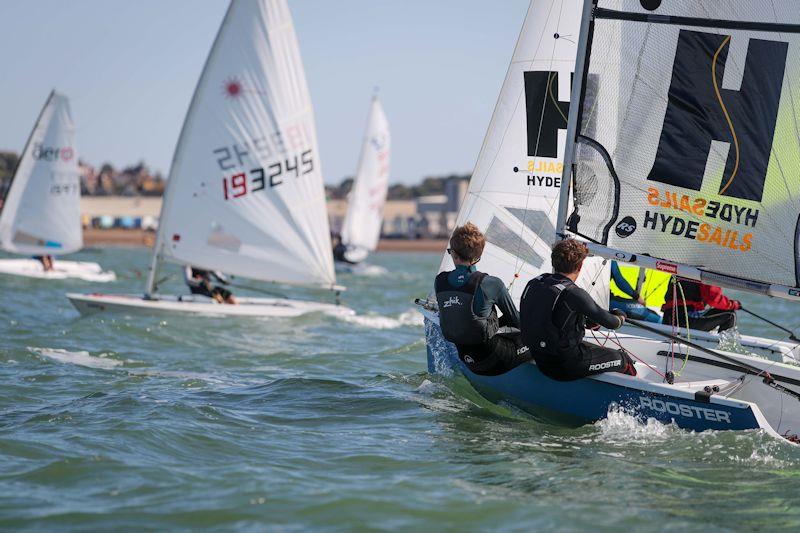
(700, 111)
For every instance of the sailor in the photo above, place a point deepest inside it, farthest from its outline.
(46, 261)
(199, 282)
(339, 249)
(554, 313)
(625, 298)
(468, 300)
(700, 306)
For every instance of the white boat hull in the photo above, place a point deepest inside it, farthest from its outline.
(31, 268)
(88, 304)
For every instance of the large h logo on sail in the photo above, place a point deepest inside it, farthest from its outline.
(700, 111)
(546, 114)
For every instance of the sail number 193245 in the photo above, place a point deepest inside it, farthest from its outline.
(257, 179)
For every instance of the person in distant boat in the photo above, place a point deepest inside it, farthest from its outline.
(469, 301)
(633, 306)
(700, 306)
(339, 249)
(200, 282)
(554, 313)
(46, 261)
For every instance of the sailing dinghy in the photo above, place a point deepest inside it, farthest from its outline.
(41, 212)
(631, 121)
(362, 224)
(245, 194)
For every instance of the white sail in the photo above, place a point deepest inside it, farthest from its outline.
(41, 212)
(362, 224)
(513, 194)
(699, 168)
(245, 193)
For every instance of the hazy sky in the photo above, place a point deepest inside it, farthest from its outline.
(130, 67)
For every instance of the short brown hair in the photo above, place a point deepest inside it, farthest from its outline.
(468, 242)
(568, 255)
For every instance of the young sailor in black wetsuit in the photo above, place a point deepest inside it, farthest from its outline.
(468, 301)
(554, 313)
(199, 282)
(340, 249)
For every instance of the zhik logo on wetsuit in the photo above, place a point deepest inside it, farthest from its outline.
(453, 300)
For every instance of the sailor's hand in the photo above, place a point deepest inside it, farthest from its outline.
(640, 300)
(621, 315)
(737, 305)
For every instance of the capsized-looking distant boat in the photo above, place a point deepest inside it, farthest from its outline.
(41, 212)
(245, 194)
(630, 127)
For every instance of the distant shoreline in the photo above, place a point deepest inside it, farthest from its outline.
(138, 237)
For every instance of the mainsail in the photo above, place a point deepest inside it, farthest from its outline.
(514, 191)
(41, 212)
(362, 224)
(245, 193)
(696, 164)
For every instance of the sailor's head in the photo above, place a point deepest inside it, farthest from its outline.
(466, 244)
(568, 255)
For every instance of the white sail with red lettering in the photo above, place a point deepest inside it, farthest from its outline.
(245, 193)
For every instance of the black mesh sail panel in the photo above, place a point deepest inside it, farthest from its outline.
(688, 147)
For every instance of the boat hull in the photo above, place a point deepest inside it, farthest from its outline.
(31, 268)
(752, 406)
(88, 304)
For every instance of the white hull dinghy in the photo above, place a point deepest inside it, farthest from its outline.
(31, 268)
(561, 161)
(245, 194)
(361, 229)
(41, 212)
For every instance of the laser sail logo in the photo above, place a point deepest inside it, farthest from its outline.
(700, 111)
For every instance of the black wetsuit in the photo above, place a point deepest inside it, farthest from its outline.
(571, 357)
(199, 282)
(339, 254)
(501, 348)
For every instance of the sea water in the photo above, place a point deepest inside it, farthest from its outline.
(164, 423)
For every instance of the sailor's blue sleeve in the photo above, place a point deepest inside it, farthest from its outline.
(621, 282)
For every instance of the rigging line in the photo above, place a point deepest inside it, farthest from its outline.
(725, 41)
(553, 98)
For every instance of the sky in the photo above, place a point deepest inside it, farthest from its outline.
(130, 67)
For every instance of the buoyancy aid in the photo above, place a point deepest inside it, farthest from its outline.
(458, 321)
(537, 313)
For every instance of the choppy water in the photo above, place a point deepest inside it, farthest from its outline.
(316, 422)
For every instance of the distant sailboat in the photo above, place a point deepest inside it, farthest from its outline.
(245, 194)
(41, 213)
(620, 155)
(362, 224)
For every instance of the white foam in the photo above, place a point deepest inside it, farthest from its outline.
(622, 426)
(406, 318)
(80, 358)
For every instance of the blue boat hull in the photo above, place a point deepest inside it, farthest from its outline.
(588, 400)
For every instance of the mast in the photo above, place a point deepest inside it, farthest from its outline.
(574, 113)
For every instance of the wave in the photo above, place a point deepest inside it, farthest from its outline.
(80, 358)
(406, 318)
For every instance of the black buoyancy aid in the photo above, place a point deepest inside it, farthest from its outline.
(688, 292)
(459, 323)
(536, 308)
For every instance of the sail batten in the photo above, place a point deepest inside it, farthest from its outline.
(685, 157)
(245, 193)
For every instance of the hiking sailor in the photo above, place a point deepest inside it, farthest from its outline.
(554, 313)
(468, 303)
(700, 306)
(199, 282)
